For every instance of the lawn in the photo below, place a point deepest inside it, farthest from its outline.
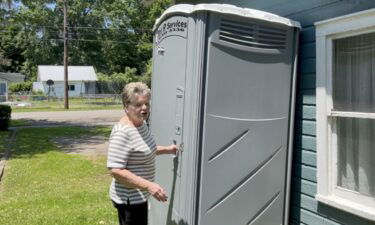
(19, 123)
(43, 185)
(3, 141)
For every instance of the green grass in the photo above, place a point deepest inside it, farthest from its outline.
(3, 141)
(43, 185)
(19, 123)
(74, 104)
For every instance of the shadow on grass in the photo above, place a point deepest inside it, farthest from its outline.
(85, 145)
(4, 140)
(32, 141)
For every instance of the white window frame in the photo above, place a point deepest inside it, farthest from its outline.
(327, 192)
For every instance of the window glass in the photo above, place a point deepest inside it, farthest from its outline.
(356, 155)
(2, 88)
(354, 73)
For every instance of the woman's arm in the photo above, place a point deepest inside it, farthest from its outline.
(130, 180)
(171, 149)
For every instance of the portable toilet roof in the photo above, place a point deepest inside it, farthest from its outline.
(225, 9)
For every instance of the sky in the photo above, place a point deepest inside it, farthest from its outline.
(17, 4)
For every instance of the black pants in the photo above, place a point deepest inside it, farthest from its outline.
(132, 214)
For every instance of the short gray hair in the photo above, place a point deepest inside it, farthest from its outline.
(133, 89)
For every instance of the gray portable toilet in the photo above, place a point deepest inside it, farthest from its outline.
(223, 89)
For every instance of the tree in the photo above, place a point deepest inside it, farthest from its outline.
(116, 82)
(6, 3)
(111, 35)
(5, 7)
(146, 75)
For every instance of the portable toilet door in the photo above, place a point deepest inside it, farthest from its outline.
(247, 115)
(169, 60)
(243, 64)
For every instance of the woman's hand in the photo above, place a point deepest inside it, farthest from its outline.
(157, 192)
(171, 149)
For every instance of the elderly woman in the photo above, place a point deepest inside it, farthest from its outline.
(131, 158)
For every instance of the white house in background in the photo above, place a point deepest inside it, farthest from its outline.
(5, 80)
(81, 80)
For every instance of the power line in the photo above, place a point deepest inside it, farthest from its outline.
(54, 31)
(35, 31)
(83, 27)
(13, 52)
(87, 40)
(75, 39)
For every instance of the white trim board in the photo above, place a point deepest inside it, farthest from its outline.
(326, 32)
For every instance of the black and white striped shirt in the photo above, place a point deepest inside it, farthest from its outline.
(132, 148)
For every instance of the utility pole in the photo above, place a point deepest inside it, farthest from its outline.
(66, 96)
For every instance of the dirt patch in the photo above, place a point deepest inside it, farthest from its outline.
(91, 146)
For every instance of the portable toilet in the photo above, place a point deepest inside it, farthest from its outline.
(223, 89)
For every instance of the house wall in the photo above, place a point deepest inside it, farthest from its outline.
(58, 89)
(304, 208)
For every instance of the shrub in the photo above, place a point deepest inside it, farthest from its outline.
(18, 87)
(38, 92)
(5, 113)
(146, 75)
(116, 82)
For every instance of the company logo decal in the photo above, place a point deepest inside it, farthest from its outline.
(176, 27)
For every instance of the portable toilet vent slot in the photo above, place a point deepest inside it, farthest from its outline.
(251, 35)
(223, 88)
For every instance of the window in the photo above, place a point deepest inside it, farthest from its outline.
(346, 112)
(3, 91)
(72, 87)
(3, 88)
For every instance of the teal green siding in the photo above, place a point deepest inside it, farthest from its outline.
(304, 208)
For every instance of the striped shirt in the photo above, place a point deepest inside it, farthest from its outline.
(131, 148)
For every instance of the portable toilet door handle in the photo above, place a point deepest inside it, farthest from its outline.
(175, 154)
(180, 148)
(179, 110)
